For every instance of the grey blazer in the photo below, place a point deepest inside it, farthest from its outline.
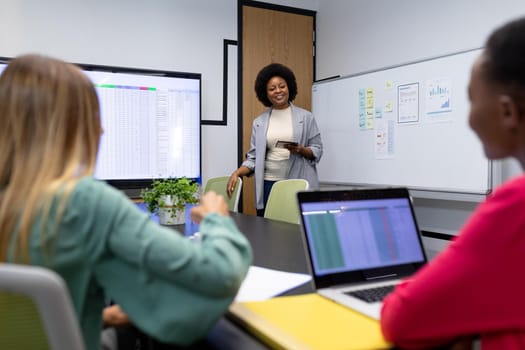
(305, 132)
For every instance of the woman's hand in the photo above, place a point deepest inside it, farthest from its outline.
(211, 202)
(294, 148)
(230, 186)
(114, 316)
(300, 150)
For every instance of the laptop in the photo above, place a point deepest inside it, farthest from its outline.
(360, 244)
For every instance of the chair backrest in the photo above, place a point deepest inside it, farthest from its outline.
(36, 310)
(282, 204)
(218, 184)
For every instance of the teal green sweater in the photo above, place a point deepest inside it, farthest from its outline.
(170, 288)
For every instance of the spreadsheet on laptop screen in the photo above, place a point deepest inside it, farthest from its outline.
(354, 235)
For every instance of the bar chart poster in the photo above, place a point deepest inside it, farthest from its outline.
(438, 95)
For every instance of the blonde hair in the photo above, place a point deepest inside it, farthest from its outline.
(49, 134)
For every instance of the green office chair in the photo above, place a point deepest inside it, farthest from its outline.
(218, 184)
(282, 204)
(36, 310)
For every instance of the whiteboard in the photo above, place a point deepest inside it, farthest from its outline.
(402, 126)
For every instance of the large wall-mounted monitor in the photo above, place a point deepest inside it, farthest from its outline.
(151, 121)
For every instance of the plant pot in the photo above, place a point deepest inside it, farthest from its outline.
(166, 214)
(166, 217)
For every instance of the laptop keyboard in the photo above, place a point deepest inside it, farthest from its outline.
(372, 295)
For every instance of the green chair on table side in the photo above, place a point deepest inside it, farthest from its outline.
(282, 201)
(218, 184)
(36, 310)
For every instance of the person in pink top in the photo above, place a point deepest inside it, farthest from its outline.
(475, 289)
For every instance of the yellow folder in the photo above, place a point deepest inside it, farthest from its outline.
(308, 321)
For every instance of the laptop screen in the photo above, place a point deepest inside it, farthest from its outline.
(359, 230)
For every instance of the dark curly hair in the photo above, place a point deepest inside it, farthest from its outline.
(267, 73)
(503, 59)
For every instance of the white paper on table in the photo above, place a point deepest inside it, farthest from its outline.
(262, 283)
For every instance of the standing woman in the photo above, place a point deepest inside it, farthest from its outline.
(276, 88)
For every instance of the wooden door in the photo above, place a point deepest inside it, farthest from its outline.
(269, 34)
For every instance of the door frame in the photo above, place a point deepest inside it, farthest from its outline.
(263, 5)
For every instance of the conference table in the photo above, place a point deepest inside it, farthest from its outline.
(276, 245)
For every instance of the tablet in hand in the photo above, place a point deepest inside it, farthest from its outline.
(285, 144)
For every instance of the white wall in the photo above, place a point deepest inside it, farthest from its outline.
(360, 35)
(177, 35)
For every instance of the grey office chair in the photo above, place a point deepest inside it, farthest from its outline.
(36, 310)
(282, 204)
(218, 184)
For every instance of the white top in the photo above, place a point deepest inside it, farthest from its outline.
(279, 128)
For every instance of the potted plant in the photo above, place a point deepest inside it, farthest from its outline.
(168, 197)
